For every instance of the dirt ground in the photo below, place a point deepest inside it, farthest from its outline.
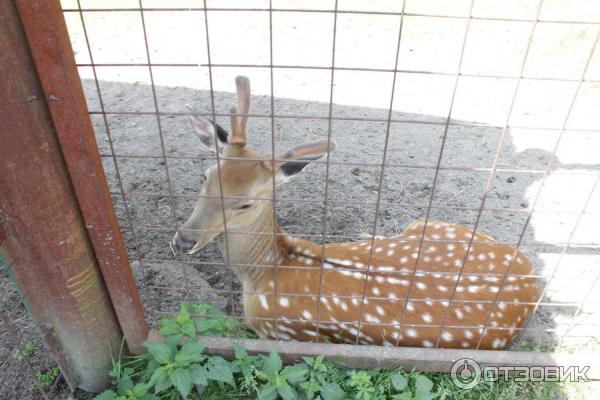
(428, 44)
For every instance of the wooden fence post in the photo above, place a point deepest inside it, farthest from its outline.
(56, 260)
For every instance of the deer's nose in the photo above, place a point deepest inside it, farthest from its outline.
(179, 241)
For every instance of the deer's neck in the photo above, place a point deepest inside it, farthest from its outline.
(259, 250)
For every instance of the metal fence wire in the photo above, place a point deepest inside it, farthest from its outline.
(571, 318)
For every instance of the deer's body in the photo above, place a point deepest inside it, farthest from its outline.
(400, 290)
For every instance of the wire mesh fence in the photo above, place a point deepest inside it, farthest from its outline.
(395, 163)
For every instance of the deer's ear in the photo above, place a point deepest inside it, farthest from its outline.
(290, 169)
(207, 131)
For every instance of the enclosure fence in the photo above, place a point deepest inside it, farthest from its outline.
(576, 325)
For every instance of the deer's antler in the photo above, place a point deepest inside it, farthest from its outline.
(239, 123)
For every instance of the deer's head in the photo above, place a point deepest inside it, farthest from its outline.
(229, 188)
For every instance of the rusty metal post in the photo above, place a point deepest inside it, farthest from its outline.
(42, 232)
(50, 47)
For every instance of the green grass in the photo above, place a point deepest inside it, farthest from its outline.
(46, 378)
(26, 351)
(177, 367)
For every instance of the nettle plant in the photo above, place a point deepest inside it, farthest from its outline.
(176, 367)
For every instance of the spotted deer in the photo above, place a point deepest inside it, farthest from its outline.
(420, 287)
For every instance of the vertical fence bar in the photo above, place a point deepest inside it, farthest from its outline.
(43, 233)
(50, 47)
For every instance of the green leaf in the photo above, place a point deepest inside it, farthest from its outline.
(159, 376)
(184, 314)
(140, 390)
(161, 387)
(125, 384)
(294, 375)
(190, 354)
(160, 351)
(182, 381)
(423, 384)
(399, 381)
(272, 363)
(287, 392)
(106, 395)
(219, 370)
(332, 391)
(267, 392)
(189, 329)
(402, 396)
(239, 351)
(198, 374)
(169, 327)
(173, 342)
(193, 347)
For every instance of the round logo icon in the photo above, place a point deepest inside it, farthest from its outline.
(465, 373)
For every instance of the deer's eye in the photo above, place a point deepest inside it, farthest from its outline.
(244, 207)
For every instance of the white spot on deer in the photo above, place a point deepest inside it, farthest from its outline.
(479, 306)
(421, 285)
(447, 336)
(371, 318)
(392, 296)
(306, 288)
(438, 258)
(344, 306)
(427, 343)
(507, 257)
(498, 343)
(430, 249)
(494, 289)
(468, 334)
(411, 332)
(396, 281)
(406, 247)
(355, 301)
(464, 344)
(380, 310)
(459, 314)
(473, 288)
(450, 235)
(283, 336)
(309, 332)
(436, 236)
(442, 288)
(287, 329)
(306, 314)
(410, 307)
(390, 253)
(271, 284)
(492, 255)
(427, 317)
(415, 255)
(263, 301)
(284, 302)
(451, 247)
(426, 258)
(326, 303)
